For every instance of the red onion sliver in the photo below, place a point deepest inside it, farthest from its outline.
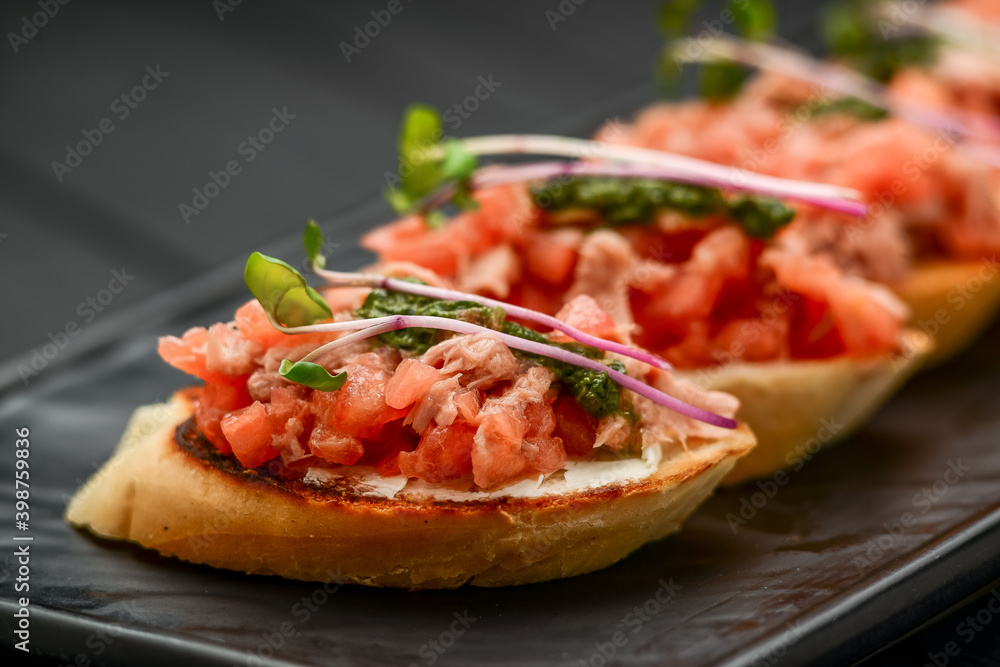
(378, 325)
(373, 280)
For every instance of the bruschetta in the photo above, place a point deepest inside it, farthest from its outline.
(394, 434)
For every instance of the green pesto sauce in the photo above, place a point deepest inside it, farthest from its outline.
(630, 200)
(383, 303)
(595, 391)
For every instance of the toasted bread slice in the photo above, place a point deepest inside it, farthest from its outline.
(160, 492)
(795, 407)
(951, 301)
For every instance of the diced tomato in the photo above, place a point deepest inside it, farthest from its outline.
(216, 401)
(576, 427)
(321, 404)
(691, 296)
(544, 453)
(740, 293)
(738, 298)
(383, 451)
(536, 297)
(466, 236)
(496, 453)
(248, 431)
(252, 323)
(208, 423)
(548, 257)
(540, 417)
(752, 339)
(668, 310)
(188, 353)
(866, 323)
(505, 213)
(694, 350)
(228, 353)
(287, 441)
(871, 162)
(411, 380)
(813, 334)
(358, 408)
(388, 466)
(469, 401)
(646, 240)
(655, 332)
(444, 452)
(585, 314)
(334, 446)
(410, 239)
(673, 247)
(287, 405)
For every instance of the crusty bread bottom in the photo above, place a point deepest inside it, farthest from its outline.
(158, 494)
(795, 407)
(951, 301)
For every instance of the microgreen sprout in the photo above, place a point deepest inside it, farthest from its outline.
(434, 186)
(719, 80)
(294, 308)
(368, 328)
(966, 125)
(311, 375)
(284, 294)
(422, 169)
(344, 279)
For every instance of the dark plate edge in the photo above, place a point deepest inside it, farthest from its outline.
(947, 571)
(64, 633)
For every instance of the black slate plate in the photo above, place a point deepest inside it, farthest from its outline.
(866, 542)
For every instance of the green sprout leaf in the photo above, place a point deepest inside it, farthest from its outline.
(756, 18)
(311, 375)
(283, 292)
(421, 174)
(721, 81)
(673, 20)
(873, 47)
(434, 219)
(458, 166)
(312, 239)
(398, 200)
(756, 21)
(421, 131)
(674, 17)
(458, 163)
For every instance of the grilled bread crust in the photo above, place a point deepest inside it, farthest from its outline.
(795, 407)
(951, 301)
(160, 492)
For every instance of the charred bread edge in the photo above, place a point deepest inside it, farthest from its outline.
(156, 493)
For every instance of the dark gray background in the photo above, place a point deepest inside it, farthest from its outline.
(119, 208)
